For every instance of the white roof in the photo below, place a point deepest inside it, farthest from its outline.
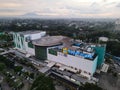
(86, 75)
(28, 55)
(58, 64)
(44, 69)
(105, 67)
(51, 64)
(105, 39)
(47, 61)
(30, 32)
(70, 69)
(62, 68)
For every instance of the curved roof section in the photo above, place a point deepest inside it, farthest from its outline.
(30, 32)
(49, 41)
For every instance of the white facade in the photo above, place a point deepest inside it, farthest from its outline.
(28, 49)
(84, 65)
(35, 35)
(18, 41)
(21, 42)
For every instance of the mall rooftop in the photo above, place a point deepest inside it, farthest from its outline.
(30, 32)
(50, 40)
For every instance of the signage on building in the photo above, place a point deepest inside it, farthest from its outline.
(65, 50)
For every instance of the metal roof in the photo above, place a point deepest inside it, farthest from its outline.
(49, 41)
(30, 32)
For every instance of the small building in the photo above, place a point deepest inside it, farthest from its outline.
(104, 67)
(103, 39)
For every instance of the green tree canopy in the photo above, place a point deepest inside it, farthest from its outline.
(113, 47)
(90, 86)
(43, 83)
(18, 68)
(2, 66)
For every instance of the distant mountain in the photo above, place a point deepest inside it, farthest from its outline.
(35, 15)
(30, 15)
(27, 15)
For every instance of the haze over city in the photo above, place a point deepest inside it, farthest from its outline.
(59, 44)
(61, 8)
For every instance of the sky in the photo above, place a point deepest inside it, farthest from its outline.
(62, 8)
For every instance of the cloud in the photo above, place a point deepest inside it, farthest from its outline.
(73, 8)
(8, 10)
(62, 8)
(46, 10)
(93, 8)
(118, 5)
(94, 4)
(7, 5)
(104, 0)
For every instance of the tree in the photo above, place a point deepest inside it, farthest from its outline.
(43, 83)
(18, 68)
(31, 75)
(113, 47)
(90, 86)
(8, 62)
(115, 74)
(2, 66)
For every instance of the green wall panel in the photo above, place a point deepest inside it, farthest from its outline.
(101, 53)
(53, 52)
(30, 45)
(41, 52)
